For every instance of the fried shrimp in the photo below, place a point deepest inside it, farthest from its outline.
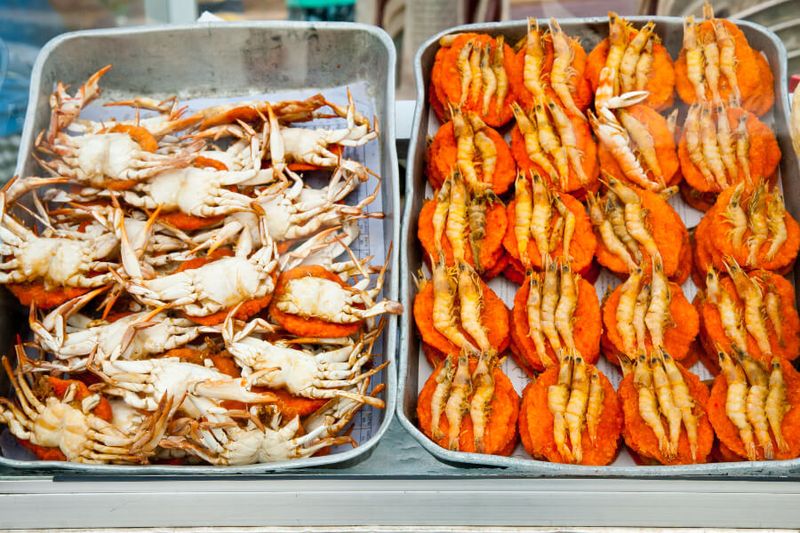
(736, 217)
(727, 145)
(556, 234)
(534, 311)
(557, 401)
(542, 213)
(462, 63)
(711, 151)
(727, 58)
(776, 224)
(569, 225)
(648, 405)
(456, 225)
(743, 146)
(683, 400)
(616, 215)
(476, 218)
(735, 406)
(575, 413)
(712, 69)
(533, 147)
(440, 394)
(465, 151)
(632, 55)
(616, 140)
(757, 222)
(550, 142)
(489, 77)
(618, 42)
(731, 318)
(776, 405)
(569, 141)
(470, 300)
(441, 211)
(643, 140)
(694, 58)
(610, 239)
(457, 403)
(639, 312)
(498, 67)
(626, 309)
(595, 405)
(756, 402)
(658, 310)
(694, 144)
(523, 215)
(445, 287)
(561, 71)
(643, 66)
(751, 294)
(565, 310)
(476, 84)
(534, 60)
(479, 406)
(550, 288)
(487, 149)
(634, 216)
(772, 303)
(666, 404)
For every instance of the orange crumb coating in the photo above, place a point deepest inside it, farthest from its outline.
(185, 222)
(763, 155)
(664, 143)
(501, 430)
(494, 317)
(713, 243)
(787, 347)
(683, 326)
(729, 435)
(579, 86)
(536, 424)
(702, 201)
(661, 80)
(588, 148)
(443, 151)
(44, 297)
(491, 247)
(586, 326)
(668, 231)
(641, 439)
(754, 93)
(447, 79)
(582, 246)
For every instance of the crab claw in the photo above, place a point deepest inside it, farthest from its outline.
(626, 100)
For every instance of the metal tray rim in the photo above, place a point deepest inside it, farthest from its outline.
(392, 179)
(535, 467)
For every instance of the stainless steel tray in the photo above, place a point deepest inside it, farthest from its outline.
(590, 31)
(228, 60)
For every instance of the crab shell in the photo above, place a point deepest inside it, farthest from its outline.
(310, 326)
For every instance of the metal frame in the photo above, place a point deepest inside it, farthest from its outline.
(382, 502)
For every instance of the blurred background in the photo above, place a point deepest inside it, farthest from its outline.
(26, 25)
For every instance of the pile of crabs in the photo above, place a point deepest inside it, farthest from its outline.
(190, 297)
(585, 182)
